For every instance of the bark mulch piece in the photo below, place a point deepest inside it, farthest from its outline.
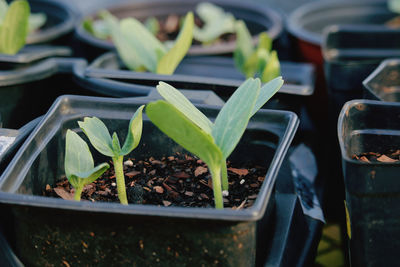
(179, 180)
(370, 157)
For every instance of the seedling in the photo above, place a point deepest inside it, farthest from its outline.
(255, 62)
(101, 140)
(212, 142)
(15, 24)
(139, 49)
(79, 166)
(216, 21)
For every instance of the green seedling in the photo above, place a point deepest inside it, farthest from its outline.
(79, 166)
(257, 61)
(16, 23)
(101, 140)
(141, 51)
(394, 6)
(216, 21)
(212, 142)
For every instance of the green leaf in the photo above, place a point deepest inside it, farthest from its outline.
(264, 42)
(98, 28)
(216, 23)
(134, 132)
(266, 92)
(184, 132)
(244, 45)
(36, 21)
(3, 10)
(79, 166)
(173, 57)
(152, 25)
(98, 135)
(233, 118)
(179, 101)
(116, 145)
(14, 28)
(394, 6)
(272, 69)
(148, 47)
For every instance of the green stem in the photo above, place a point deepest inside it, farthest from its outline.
(119, 174)
(78, 192)
(225, 184)
(216, 181)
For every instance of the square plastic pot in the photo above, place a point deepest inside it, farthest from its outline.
(48, 230)
(384, 82)
(372, 189)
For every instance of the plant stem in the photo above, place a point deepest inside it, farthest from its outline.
(224, 178)
(216, 182)
(119, 174)
(78, 192)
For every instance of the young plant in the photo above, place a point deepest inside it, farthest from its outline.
(140, 50)
(78, 164)
(101, 140)
(255, 62)
(212, 142)
(216, 23)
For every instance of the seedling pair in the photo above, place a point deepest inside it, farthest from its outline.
(179, 119)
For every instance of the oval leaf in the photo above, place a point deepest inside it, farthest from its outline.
(173, 57)
(83, 178)
(233, 118)
(266, 92)
(98, 135)
(14, 28)
(134, 132)
(179, 101)
(184, 132)
(244, 46)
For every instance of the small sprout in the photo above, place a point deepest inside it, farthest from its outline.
(255, 62)
(217, 22)
(147, 52)
(100, 138)
(152, 25)
(212, 142)
(79, 166)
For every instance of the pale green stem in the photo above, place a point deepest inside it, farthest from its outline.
(216, 182)
(78, 192)
(224, 172)
(119, 175)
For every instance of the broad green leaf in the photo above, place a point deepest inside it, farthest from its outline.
(272, 69)
(116, 145)
(98, 28)
(266, 92)
(143, 42)
(36, 21)
(394, 5)
(152, 25)
(129, 56)
(184, 132)
(134, 132)
(233, 118)
(244, 46)
(173, 57)
(98, 135)
(81, 179)
(3, 10)
(216, 22)
(79, 166)
(14, 28)
(179, 101)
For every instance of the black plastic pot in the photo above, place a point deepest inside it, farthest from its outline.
(107, 75)
(192, 234)
(258, 18)
(383, 83)
(31, 80)
(60, 22)
(372, 189)
(351, 53)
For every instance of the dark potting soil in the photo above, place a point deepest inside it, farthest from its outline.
(178, 180)
(370, 157)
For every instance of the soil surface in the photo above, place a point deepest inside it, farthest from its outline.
(178, 180)
(370, 157)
